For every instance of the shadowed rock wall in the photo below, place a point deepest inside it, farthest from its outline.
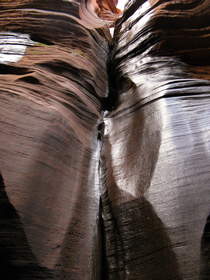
(50, 101)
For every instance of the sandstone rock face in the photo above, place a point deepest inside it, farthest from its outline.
(50, 110)
(105, 144)
(99, 13)
(157, 143)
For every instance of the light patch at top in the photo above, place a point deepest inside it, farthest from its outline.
(13, 46)
(121, 4)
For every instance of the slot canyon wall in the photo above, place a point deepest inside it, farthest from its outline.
(105, 142)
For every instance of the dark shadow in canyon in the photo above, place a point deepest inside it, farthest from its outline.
(17, 260)
(136, 243)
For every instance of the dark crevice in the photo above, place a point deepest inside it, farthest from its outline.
(17, 261)
(103, 261)
(40, 39)
(30, 79)
(205, 252)
(109, 103)
(13, 70)
(100, 128)
(113, 247)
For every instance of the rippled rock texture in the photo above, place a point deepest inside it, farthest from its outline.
(50, 110)
(157, 143)
(105, 144)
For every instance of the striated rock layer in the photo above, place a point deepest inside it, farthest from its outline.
(99, 13)
(104, 154)
(156, 152)
(50, 102)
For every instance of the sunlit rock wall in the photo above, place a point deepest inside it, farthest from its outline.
(156, 153)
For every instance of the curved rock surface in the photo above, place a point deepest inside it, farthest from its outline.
(156, 153)
(53, 76)
(105, 145)
(97, 14)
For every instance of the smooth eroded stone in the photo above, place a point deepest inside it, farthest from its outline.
(156, 154)
(53, 77)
